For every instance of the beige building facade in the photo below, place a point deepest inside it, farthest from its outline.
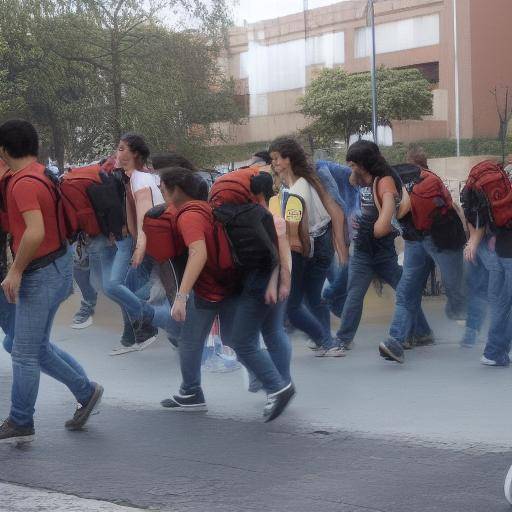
(273, 61)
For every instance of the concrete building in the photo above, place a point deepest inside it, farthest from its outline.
(274, 60)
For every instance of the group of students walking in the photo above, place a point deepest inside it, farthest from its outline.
(255, 249)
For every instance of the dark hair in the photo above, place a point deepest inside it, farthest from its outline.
(163, 160)
(264, 156)
(290, 148)
(417, 155)
(137, 144)
(191, 182)
(19, 138)
(263, 183)
(367, 155)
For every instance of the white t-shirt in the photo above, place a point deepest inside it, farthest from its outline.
(140, 180)
(317, 214)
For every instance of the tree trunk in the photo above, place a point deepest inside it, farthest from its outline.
(57, 141)
(116, 85)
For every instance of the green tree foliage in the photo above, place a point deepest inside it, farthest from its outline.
(98, 68)
(339, 103)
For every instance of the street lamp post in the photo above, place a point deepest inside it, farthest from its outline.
(371, 21)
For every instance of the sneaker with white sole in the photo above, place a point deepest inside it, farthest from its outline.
(194, 402)
(277, 402)
(392, 350)
(83, 317)
(121, 349)
(331, 352)
(83, 412)
(508, 486)
(490, 362)
(12, 433)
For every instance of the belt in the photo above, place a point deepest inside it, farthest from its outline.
(44, 261)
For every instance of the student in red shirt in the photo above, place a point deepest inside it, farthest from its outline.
(215, 292)
(39, 280)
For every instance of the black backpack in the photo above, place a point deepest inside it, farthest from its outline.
(251, 234)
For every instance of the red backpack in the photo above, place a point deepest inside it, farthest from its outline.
(488, 185)
(233, 188)
(429, 196)
(162, 241)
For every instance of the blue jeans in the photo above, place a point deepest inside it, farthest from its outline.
(500, 332)
(483, 282)
(335, 294)
(419, 257)
(82, 275)
(110, 265)
(41, 293)
(252, 317)
(306, 310)
(363, 267)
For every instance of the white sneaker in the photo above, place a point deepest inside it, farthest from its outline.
(122, 349)
(332, 352)
(313, 346)
(488, 362)
(82, 325)
(508, 486)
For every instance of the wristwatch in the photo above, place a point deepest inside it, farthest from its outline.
(182, 296)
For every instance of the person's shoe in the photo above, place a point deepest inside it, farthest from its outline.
(508, 486)
(83, 317)
(314, 346)
(83, 412)
(331, 352)
(392, 351)
(490, 362)
(424, 340)
(347, 345)
(408, 344)
(121, 349)
(188, 403)
(12, 433)
(145, 334)
(277, 402)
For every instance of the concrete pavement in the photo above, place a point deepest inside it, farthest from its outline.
(362, 434)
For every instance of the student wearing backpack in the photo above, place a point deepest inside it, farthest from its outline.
(316, 227)
(39, 280)
(487, 202)
(215, 287)
(117, 256)
(433, 234)
(374, 239)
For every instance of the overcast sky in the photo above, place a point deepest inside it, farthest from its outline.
(256, 10)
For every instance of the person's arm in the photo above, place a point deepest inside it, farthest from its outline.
(338, 228)
(383, 225)
(31, 240)
(143, 203)
(476, 235)
(197, 256)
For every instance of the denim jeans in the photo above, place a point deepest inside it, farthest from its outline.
(500, 328)
(41, 293)
(363, 267)
(252, 317)
(483, 282)
(418, 259)
(82, 275)
(306, 310)
(335, 294)
(110, 265)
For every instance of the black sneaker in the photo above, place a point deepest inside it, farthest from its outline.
(83, 412)
(392, 350)
(145, 334)
(12, 433)
(188, 403)
(277, 402)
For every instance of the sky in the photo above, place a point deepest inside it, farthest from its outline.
(256, 10)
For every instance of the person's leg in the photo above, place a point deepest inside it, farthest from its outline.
(299, 316)
(40, 295)
(360, 275)
(498, 342)
(315, 275)
(82, 275)
(335, 294)
(451, 266)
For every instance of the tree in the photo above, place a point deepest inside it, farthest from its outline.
(503, 98)
(339, 103)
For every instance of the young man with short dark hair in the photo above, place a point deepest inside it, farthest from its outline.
(39, 280)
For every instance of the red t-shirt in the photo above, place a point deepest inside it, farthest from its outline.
(25, 194)
(213, 284)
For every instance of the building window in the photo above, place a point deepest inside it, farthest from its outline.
(398, 35)
(326, 50)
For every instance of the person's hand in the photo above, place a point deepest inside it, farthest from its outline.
(11, 285)
(140, 251)
(271, 294)
(284, 291)
(470, 252)
(179, 310)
